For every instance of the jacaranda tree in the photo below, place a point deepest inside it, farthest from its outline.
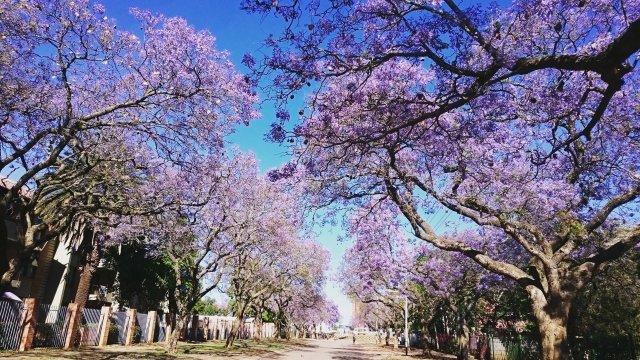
(70, 80)
(522, 119)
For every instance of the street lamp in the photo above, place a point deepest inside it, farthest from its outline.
(406, 325)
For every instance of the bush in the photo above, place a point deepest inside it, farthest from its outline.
(113, 334)
(137, 334)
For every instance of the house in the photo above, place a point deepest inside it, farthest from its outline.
(52, 273)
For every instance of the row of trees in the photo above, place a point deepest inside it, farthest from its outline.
(118, 136)
(448, 293)
(452, 298)
(522, 119)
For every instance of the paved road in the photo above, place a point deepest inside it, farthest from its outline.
(331, 349)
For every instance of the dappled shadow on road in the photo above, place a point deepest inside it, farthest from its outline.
(305, 345)
(419, 354)
(84, 354)
(351, 355)
(433, 355)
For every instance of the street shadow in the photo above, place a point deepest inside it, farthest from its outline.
(351, 355)
(93, 355)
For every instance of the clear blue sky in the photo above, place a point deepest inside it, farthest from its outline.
(239, 33)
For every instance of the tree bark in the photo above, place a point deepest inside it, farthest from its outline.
(552, 317)
(463, 342)
(235, 329)
(88, 269)
(15, 264)
(277, 325)
(4, 244)
(553, 332)
(258, 326)
(84, 285)
(177, 329)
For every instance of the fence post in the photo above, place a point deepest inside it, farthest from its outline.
(131, 326)
(73, 322)
(105, 325)
(151, 325)
(29, 309)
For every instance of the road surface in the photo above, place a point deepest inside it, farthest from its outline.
(331, 349)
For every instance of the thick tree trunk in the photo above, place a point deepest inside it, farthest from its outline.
(235, 330)
(277, 324)
(88, 269)
(84, 287)
(288, 332)
(14, 265)
(258, 327)
(4, 244)
(553, 334)
(463, 342)
(552, 317)
(178, 327)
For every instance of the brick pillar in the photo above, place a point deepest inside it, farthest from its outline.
(131, 326)
(151, 325)
(105, 325)
(29, 308)
(73, 323)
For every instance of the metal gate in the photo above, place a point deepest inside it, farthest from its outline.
(117, 333)
(51, 326)
(90, 327)
(10, 319)
(142, 325)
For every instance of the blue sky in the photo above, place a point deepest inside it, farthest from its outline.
(239, 33)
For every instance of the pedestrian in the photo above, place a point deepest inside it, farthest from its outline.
(354, 336)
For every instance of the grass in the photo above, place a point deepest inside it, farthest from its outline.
(211, 350)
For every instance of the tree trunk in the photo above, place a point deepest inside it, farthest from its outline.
(84, 287)
(258, 327)
(14, 265)
(277, 325)
(552, 317)
(235, 329)
(177, 329)
(88, 269)
(4, 244)
(553, 333)
(463, 342)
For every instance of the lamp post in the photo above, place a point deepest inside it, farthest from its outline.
(406, 325)
(406, 321)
